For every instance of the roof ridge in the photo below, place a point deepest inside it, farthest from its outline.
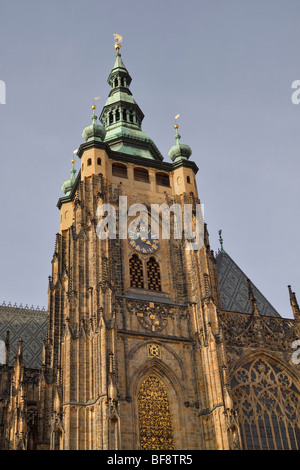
(21, 307)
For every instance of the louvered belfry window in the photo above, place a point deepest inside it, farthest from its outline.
(136, 272)
(153, 275)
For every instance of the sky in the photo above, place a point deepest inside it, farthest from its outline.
(226, 66)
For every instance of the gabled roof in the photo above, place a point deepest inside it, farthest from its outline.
(234, 288)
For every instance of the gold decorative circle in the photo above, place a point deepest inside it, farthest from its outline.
(154, 351)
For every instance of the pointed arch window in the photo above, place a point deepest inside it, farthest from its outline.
(153, 274)
(136, 272)
(268, 406)
(155, 421)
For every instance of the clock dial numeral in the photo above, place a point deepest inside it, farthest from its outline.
(141, 244)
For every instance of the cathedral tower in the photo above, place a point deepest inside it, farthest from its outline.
(134, 356)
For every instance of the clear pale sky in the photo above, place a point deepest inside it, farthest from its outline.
(225, 65)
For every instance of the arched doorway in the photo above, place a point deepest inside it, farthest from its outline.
(155, 421)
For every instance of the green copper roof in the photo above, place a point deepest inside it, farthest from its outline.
(94, 131)
(179, 151)
(122, 117)
(118, 67)
(68, 185)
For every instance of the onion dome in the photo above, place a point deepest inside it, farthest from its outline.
(68, 185)
(94, 131)
(179, 151)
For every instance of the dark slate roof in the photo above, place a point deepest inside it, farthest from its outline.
(28, 324)
(234, 289)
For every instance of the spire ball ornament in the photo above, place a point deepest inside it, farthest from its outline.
(94, 106)
(179, 151)
(118, 40)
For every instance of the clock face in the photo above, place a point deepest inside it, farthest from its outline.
(140, 244)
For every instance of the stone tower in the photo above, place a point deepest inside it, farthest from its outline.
(134, 356)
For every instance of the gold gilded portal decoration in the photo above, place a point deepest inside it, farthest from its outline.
(156, 430)
(153, 350)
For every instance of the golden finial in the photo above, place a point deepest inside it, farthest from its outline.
(118, 40)
(94, 106)
(176, 125)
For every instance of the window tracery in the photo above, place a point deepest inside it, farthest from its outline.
(268, 407)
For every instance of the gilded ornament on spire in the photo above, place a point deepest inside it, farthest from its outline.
(179, 151)
(94, 107)
(118, 40)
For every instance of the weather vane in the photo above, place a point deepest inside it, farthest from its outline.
(118, 40)
(94, 106)
(176, 125)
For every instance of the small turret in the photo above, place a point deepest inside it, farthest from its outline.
(221, 241)
(68, 185)
(252, 299)
(294, 304)
(179, 151)
(94, 132)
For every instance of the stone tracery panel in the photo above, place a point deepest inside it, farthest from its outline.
(268, 406)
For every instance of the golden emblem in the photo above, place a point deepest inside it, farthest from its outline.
(118, 40)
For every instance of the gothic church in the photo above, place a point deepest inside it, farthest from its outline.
(145, 345)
